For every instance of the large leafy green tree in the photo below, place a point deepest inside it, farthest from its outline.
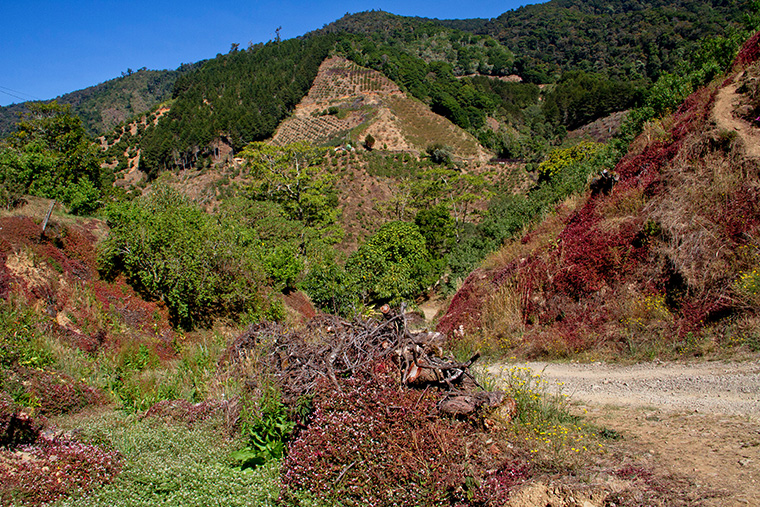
(294, 177)
(50, 155)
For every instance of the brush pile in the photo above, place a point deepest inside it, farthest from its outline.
(329, 348)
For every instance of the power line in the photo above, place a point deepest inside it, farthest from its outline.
(12, 93)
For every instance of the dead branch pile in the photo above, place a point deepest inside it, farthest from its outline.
(329, 347)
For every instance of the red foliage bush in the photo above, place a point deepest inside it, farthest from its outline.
(591, 258)
(57, 393)
(18, 231)
(70, 252)
(5, 277)
(749, 53)
(643, 170)
(183, 411)
(120, 299)
(373, 442)
(466, 306)
(740, 214)
(52, 468)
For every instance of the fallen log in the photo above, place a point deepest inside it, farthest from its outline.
(469, 404)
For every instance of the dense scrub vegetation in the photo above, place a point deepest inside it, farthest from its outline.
(624, 39)
(203, 266)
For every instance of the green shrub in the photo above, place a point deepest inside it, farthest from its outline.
(172, 250)
(83, 197)
(393, 265)
(50, 155)
(439, 154)
(559, 160)
(437, 226)
(331, 288)
(283, 267)
(21, 342)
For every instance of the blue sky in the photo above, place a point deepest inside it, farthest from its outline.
(53, 47)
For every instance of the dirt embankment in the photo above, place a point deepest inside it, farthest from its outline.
(697, 420)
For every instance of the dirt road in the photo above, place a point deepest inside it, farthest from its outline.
(698, 420)
(717, 388)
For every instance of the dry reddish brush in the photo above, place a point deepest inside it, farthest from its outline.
(56, 393)
(373, 442)
(52, 468)
(394, 421)
(58, 272)
(659, 261)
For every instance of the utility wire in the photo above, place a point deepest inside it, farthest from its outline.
(12, 93)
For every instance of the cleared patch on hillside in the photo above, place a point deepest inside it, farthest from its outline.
(601, 130)
(421, 128)
(347, 102)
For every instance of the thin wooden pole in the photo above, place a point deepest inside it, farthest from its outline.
(47, 217)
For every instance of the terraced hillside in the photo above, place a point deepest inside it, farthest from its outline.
(347, 102)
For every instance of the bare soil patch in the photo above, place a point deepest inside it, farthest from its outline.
(726, 103)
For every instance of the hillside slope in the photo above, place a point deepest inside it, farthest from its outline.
(663, 264)
(348, 102)
(102, 107)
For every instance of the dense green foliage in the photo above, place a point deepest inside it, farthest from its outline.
(241, 96)
(424, 39)
(201, 265)
(580, 98)
(295, 177)
(267, 427)
(50, 155)
(392, 265)
(623, 39)
(509, 214)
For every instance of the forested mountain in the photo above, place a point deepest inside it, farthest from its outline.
(601, 57)
(625, 39)
(614, 51)
(103, 106)
(241, 96)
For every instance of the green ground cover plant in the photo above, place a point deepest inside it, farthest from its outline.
(169, 463)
